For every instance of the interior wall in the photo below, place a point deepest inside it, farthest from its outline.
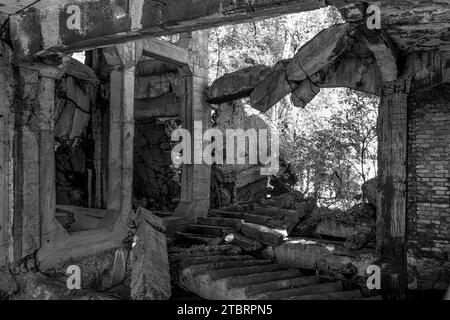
(428, 209)
(156, 181)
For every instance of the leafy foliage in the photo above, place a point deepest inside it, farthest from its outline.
(331, 144)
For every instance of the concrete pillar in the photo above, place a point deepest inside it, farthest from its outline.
(392, 157)
(6, 131)
(196, 178)
(34, 159)
(47, 183)
(123, 60)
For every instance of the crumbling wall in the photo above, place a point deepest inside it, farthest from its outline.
(156, 180)
(428, 210)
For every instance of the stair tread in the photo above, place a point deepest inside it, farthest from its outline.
(210, 259)
(278, 285)
(242, 271)
(300, 291)
(227, 265)
(240, 281)
(342, 295)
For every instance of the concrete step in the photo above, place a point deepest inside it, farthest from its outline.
(221, 290)
(211, 259)
(242, 281)
(193, 238)
(247, 217)
(222, 222)
(277, 285)
(209, 268)
(343, 295)
(246, 270)
(209, 231)
(223, 248)
(300, 291)
(179, 257)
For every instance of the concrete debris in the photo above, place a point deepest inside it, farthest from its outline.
(273, 88)
(150, 278)
(236, 85)
(243, 242)
(369, 190)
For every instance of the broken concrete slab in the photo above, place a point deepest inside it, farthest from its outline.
(263, 234)
(283, 219)
(336, 228)
(326, 256)
(222, 222)
(150, 278)
(236, 85)
(357, 73)
(247, 217)
(300, 291)
(380, 43)
(273, 88)
(304, 93)
(243, 242)
(319, 52)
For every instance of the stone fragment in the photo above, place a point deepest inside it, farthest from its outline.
(243, 242)
(319, 52)
(273, 88)
(304, 93)
(336, 228)
(236, 85)
(263, 234)
(150, 278)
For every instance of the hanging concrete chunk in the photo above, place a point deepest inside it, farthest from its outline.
(273, 88)
(150, 265)
(385, 53)
(319, 52)
(236, 85)
(304, 93)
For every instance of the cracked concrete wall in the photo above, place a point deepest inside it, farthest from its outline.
(156, 181)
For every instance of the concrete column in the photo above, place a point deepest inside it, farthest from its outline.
(392, 157)
(47, 184)
(123, 60)
(34, 159)
(6, 96)
(196, 178)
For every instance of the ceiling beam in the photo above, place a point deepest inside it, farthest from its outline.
(164, 51)
(75, 25)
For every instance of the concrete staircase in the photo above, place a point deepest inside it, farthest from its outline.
(226, 272)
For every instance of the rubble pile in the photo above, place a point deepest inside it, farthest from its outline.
(283, 247)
